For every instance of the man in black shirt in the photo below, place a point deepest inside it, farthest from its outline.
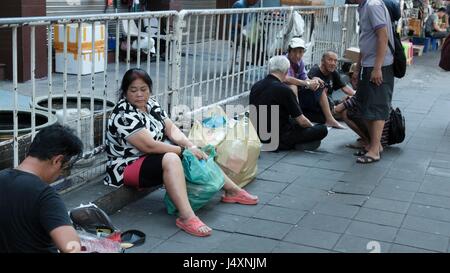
(33, 217)
(318, 105)
(271, 97)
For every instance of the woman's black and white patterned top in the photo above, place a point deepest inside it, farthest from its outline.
(125, 121)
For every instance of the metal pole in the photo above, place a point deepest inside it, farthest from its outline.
(33, 81)
(66, 37)
(176, 67)
(80, 62)
(202, 59)
(211, 23)
(194, 62)
(188, 30)
(105, 84)
(116, 76)
(91, 136)
(49, 67)
(158, 49)
(138, 61)
(128, 44)
(15, 98)
(166, 71)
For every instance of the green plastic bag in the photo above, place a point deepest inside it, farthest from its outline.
(204, 179)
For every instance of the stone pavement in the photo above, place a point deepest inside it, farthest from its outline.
(323, 201)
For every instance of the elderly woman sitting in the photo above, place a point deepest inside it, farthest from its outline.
(139, 156)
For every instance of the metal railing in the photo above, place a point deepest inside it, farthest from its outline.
(196, 58)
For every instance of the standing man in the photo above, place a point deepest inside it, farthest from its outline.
(374, 72)
(33, 217)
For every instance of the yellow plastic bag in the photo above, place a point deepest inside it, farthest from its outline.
(238, 154)
(237, 144)
(201, 135)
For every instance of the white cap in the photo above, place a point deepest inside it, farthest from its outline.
(297, 42)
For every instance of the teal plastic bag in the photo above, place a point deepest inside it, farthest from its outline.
(204, 179)
(214, 122)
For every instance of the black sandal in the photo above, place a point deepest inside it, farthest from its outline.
(360, 153)
(365, 159)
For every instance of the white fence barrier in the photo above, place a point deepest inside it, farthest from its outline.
(196, 58)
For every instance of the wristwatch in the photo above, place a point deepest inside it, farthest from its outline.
(307, 84)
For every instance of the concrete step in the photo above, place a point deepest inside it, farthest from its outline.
(109, 199)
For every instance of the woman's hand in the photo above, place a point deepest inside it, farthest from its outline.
(198, 153)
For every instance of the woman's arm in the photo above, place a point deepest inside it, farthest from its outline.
(144, 142)
(175, 134)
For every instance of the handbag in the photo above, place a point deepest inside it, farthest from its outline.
(397, 128)
(398, 53)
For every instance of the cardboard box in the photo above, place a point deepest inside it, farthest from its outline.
(352, 53)
(73, 46)
(86, 62)
(72, 35)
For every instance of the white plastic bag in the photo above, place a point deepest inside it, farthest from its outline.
(307, 58)
(91, 243)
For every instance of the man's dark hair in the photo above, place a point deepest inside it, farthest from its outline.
(130, 76)
(442, 9)
(55, 140)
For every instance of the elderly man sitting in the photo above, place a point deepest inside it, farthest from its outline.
(321, 100)
(307, 87)
(270, 98)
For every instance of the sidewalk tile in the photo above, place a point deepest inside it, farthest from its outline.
(336, 209)
(311, 237)
(265, 228)
(380, 217)
(284, 247)
(387, 205)
(324, 222)
(422, 240)
(372, 231)
(279, 214)
(353, 244)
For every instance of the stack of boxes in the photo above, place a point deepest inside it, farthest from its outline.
(86, 57)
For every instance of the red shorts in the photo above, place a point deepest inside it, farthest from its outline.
(145, 172)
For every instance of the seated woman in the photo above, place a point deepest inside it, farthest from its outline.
(139, 156)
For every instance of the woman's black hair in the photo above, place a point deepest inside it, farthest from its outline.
(130, 76)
